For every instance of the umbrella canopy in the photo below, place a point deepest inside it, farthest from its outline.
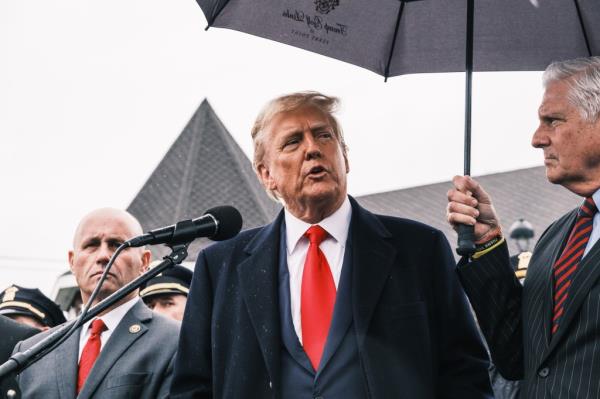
(392, 37)
(395, 37)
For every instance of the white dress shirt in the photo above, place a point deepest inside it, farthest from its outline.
(333, 247)
(110, 319)
(595, 229)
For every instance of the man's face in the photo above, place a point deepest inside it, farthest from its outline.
(303, 162)
(96, 239)
(170, 305)
(571, 145)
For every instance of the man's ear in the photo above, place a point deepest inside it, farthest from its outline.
(265, 176)
(71, 257)
(146, 256)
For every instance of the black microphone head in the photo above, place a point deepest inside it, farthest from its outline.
(230, 222)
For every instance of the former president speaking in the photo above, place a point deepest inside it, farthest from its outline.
(329, 300)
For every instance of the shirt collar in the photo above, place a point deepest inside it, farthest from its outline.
(596, 197)
(336, 224)
(113, 317)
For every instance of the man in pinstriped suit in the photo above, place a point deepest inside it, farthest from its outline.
(547, 332)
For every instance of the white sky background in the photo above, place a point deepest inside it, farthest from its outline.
(93, 93)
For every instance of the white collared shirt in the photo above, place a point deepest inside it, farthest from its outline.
(595, 227)
(333, 247)
(110, 319)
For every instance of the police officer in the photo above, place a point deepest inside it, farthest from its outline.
(12, 332)
(29, 306)
(167, 293)
(522, 233)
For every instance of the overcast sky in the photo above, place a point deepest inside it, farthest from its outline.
(93, 93)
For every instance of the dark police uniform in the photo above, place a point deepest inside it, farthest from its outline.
(11, 333)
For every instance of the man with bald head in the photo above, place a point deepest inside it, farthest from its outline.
(127, 351)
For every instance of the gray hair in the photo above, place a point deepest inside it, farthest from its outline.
(289, 103)
(583, 77)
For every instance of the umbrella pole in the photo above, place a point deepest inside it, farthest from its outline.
(583, 29)
(466, 234)
(389, 61)
(468, 88)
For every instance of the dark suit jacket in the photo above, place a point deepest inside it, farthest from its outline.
(415, 334)
(516, 321)
(134, 363)
(11, 333)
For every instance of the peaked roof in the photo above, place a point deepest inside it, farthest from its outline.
(523, 193)
(204, 168)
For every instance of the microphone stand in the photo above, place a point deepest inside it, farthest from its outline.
(20, 361)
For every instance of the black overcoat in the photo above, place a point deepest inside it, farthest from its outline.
(415, 332)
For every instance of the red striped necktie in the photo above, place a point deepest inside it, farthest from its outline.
(317, 297)
(567, 264)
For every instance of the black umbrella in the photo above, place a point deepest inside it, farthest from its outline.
(394, 37)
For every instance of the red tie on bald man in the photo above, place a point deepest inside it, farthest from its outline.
(317, 297)
(90, 352)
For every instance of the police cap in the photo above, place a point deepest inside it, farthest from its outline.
(30, 302)
(175, 280)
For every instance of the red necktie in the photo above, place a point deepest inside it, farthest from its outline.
(317, 297)
(566, 265)
(90, 352)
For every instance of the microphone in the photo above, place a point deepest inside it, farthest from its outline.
(218, 223)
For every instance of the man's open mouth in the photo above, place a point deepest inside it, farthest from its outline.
(316, 170)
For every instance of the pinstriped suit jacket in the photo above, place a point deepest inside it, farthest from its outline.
(516, 321)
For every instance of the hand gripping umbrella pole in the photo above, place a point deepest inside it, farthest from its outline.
(20, 361)
(466, 233)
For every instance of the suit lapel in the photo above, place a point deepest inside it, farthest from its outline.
(555, 246)
(542, 284)
(584, 278)
(538, 298)
(258, 280)
(372, 259)
(288, 332)
(117, 344)
(66, 356)
(342, 313)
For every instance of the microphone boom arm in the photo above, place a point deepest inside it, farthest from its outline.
(20, 361)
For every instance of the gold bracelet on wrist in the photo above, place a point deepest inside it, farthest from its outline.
(487, 246)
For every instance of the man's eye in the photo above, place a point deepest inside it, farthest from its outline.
(291, 142)
(553, 122)
(325, 135)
